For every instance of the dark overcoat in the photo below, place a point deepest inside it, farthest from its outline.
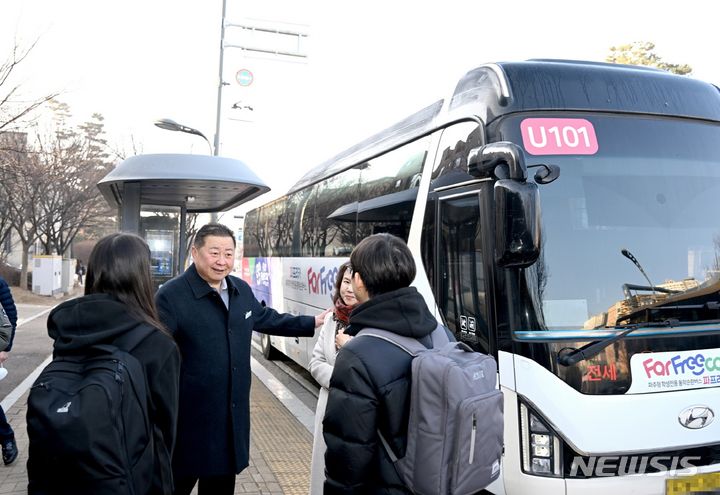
(213, 436)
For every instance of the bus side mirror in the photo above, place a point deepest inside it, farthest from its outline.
(517, 202)
(517, 223)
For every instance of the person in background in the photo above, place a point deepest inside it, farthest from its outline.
(79, 271)
(7, 435)
(370, 384)
(332, 337)
(118, 298)
(212, 315)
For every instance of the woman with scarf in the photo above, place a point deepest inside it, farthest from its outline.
(331, 338)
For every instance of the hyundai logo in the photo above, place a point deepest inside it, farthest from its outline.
(696, 417)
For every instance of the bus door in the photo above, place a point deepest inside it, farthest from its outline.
(460, 284)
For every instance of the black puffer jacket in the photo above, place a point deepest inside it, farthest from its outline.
(370, 390)
(101, 319)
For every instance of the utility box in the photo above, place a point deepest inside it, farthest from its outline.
(68, 275)
(47, 275)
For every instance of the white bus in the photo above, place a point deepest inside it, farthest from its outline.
(563, 219)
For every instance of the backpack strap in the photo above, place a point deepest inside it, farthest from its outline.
(413, 347)
(127, 342)
(439, 336)
(408, 344)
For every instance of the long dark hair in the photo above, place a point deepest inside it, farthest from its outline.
(119, 265)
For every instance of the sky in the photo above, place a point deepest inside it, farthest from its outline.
(368, 64)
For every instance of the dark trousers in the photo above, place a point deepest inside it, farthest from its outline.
(6, 432)
(213, 485)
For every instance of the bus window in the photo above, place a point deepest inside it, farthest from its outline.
(462, 285)
(456, 142)
(303, 206)
(260, 234)
(336, 214)
(250, 235)
(283, 225)
(276, 228)
(388, 188)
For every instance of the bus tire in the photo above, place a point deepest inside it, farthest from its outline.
(270, 353)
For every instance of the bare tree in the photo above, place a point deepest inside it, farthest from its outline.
(50, 190)
(73, 161)
(15, 110)
(12, 108)
(20, 175)
(5, 225)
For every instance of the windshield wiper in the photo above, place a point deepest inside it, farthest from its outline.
(574, 356)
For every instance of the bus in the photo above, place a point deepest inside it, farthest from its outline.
(561, 217)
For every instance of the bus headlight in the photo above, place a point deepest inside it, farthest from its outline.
(540, 445)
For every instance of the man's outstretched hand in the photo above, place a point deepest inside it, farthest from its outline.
(320, 319)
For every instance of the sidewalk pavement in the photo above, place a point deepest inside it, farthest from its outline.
(280, 446)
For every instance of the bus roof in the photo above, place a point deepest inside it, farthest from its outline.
(494, 90)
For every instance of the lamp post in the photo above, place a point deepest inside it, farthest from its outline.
(171, 125)
(221, 83)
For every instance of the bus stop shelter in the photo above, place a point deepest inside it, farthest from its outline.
(155, 192)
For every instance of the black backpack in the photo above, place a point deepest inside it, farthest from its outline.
(88, 422)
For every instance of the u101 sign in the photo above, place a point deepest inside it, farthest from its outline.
(559, 137)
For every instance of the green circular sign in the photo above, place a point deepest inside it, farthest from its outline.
(244, 77)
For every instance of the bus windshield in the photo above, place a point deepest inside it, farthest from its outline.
(630, 233)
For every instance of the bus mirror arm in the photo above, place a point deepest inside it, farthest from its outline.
(482, 161)
(547, 173)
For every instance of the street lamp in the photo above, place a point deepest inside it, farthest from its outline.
(171, 125)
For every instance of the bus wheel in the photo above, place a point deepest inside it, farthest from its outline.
(268, 350)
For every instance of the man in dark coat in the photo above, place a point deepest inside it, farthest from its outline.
(370, 384)
(212, 315)
(7, 435)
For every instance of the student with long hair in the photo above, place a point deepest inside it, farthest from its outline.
(331, 338)
(118, 299)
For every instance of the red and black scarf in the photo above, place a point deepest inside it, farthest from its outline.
(342, 314)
